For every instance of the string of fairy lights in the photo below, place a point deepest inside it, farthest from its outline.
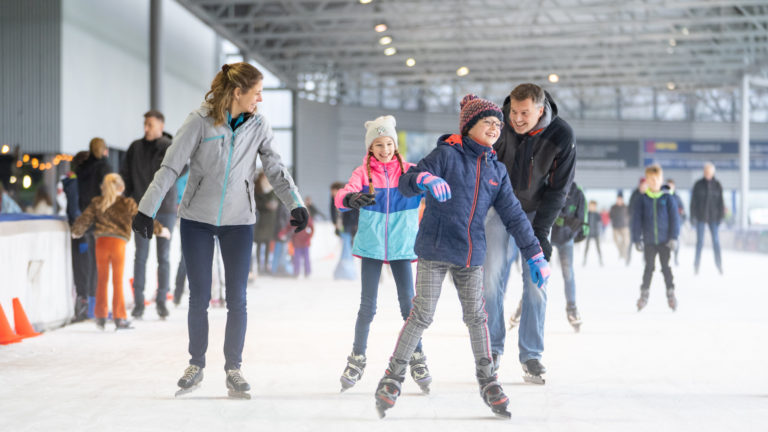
(33, 163)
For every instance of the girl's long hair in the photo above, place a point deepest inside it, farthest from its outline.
(111, 188)
(231, 76)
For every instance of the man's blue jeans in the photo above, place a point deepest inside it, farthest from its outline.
(197, 245)
(714, 227)
(565, 253)
(501, 251)
(168, 220)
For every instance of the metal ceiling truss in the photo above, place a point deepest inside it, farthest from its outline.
(688, 45)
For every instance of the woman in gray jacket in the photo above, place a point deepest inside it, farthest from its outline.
(221, 141)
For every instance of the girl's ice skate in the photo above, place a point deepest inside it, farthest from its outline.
(643, 300)
(190, 381)
(353, 372)
(420, 372)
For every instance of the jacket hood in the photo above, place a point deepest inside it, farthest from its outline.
(549, 114)
(467, 145)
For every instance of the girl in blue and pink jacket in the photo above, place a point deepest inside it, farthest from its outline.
(389, 222)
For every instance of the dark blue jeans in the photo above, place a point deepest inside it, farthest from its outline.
(714, 228)
(370, 274)
(163, 263)
(197, 241)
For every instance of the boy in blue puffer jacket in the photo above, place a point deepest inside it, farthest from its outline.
(655, 227)
(464, 179)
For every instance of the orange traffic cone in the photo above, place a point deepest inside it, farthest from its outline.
(23, 327)
(7, 336)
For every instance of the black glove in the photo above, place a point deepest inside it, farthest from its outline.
(546, 246)
(143, 225)
(672, 244)
(355, 200)
(639, 246)
(300, 219)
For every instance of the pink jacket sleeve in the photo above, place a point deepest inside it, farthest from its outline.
(355, 184)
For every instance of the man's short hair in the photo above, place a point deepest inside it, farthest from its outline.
(528, 91)
(156, 114)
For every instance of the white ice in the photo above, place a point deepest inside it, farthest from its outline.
(702, 368)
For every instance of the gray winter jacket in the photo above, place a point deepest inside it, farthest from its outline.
(222, 170)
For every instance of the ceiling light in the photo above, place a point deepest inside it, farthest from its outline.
(309, 85)
(553, 78)
(684, 31)
(670, 85)
(390, 51)
(385, 40)
(5, 149)
(462, 71)
(365, 1)
(410, 62)
(380, 28)
(672, 42)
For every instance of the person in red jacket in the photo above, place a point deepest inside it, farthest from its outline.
(301, 242)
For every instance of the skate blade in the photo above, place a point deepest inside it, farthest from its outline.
(532, 379)
(233, 394)
(381, 411)
(502, 413)
(576, 327)
(182, 392)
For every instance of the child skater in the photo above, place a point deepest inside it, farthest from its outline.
(464, 180)
(111, 214)
(386, 232)
(301, 242)
(655, 227)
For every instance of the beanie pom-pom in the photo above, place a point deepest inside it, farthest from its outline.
(467, 98)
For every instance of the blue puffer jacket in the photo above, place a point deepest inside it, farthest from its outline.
(454, 231)
(654, 218)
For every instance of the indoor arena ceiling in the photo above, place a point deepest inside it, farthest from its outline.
(586, 43)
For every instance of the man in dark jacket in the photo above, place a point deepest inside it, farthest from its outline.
(90, 173)
(142, 160)
(539, 151)
(707, 209)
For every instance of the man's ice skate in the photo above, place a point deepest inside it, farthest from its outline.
(533, 371)
(237, 385)
(121, 324)
(162, 311)
(514, 320)
(420, 372)
(493, 396)
(671, 299)
(190, 381)
(574, 318)
(389, 387)
(643, 300)
(353, 372)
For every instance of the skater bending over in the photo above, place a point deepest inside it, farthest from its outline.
(221, 141)
(110, 214)
(464, 180)
(387, 227)
(655, 227)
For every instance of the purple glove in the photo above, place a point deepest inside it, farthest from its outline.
(437, 187)
(539, 269)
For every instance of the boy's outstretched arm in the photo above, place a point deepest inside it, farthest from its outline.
(426, 175)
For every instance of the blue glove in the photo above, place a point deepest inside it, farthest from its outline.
(437, 187)
(539, 269)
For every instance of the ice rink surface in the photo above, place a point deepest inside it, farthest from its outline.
(702, 368)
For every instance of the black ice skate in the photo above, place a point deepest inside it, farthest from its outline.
(389, 387)
(493, 396)
(237, 385)
(533, 371)
(574, 318)
(138, 311)
(162, 311)
(121, 324)
(100, 323)
(514, 320)
(420, 372)
(643, 300)
(353, 372)
(671, 299)
(190, 381)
